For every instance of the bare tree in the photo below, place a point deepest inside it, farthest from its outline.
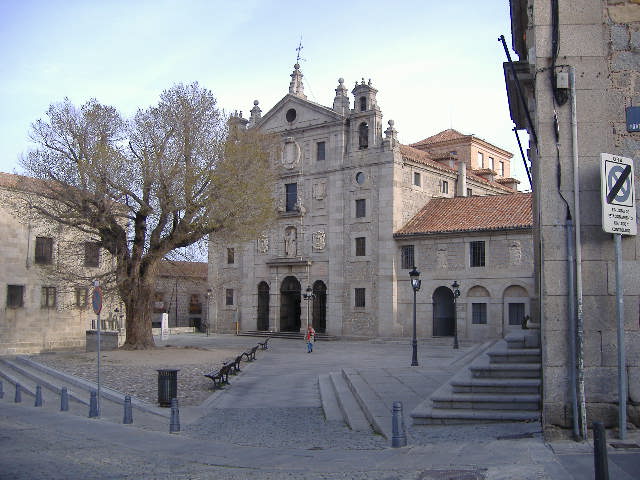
(165, 180)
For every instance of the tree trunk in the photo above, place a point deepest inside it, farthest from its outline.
(138, 302)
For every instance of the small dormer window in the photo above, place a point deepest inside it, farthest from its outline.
(363, 136)
(363, 104)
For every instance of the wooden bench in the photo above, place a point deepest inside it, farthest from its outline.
(220, 377)
(234, 365)
(251, 353)
(264, 345)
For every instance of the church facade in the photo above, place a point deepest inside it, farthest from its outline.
(337, 256)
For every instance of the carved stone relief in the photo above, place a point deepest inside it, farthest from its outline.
(263, 244)
(319, 240)
(442, 257)
(515, 254)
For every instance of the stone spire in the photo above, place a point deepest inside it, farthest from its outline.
(296, 87)
(341, 102)
(256, 114)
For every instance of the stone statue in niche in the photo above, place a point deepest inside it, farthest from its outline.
(263, 244)
(319, 240)
(290, 241)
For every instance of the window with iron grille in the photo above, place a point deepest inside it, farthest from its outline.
(407, 258)
(15, 296)
(479, 313)
(82, 297)
(516, 313)
(44, 250)
(477, 254)
(361, 208)
(361, 246)
(320, 154)
(231, 256)
(91, 254)
(359, 297)
(291, 192)
(229, 296)
(48, 297)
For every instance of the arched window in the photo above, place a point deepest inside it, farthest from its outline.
(363, 135)
(363, 104)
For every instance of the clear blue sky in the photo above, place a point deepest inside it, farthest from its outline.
(436, 64)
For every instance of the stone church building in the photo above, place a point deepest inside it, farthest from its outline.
(357, 211)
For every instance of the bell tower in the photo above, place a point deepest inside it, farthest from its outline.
(366, 117)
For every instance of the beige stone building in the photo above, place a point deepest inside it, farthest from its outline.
(578, 67)
(344, 188)
(44, 302)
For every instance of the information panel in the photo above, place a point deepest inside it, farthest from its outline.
(618, 199)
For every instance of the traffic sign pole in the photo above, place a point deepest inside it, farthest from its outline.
(96, 301)
(622, 374)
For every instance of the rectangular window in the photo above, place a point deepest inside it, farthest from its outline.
(491, 163)
(407, 258)
(445, 186)
(82, 297)
(361, 208)
(501, 168)
(91, 254)
(480, 160)
(516, 313)
(44, 250)
(229, 296)
(231, 254)
(15, 296)
(476, 254)
(48, 297)
(320, 151)
(291, 199)
(469, 192)
(416, 179)
(479, 313)
(359, 297)
(361, 246)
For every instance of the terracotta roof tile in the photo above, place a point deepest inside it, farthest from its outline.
(423, 157)
(171, 268)
(446, 135)
(468, 214)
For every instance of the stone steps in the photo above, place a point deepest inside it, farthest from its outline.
(502, 385)
(323, 337)
(351, 410)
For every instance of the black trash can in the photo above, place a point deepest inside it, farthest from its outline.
(167, 386)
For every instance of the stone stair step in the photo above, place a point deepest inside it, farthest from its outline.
(497, 385)
(430, 416)
(351, 411)
(507, 370)
(513, 355)
(476, 401)
(523, 339)
(328, 398)
(375, 411)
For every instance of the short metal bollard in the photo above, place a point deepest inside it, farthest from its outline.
(18, 396)
(38, 396)
(64, 400)
(174, 424)
(600, 460)
(1, 391)
(128, 412)
(93, 406)
(167, 386)
(398, 432)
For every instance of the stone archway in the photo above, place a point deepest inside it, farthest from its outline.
(290, 297)
(443, 314)
(263, 306)
(320, 306)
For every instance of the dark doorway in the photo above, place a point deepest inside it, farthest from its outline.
(443, 312)
(290, 305)
(263, 306)
(320, 307)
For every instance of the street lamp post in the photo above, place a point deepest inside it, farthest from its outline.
(456, 293)
(308, 296)
(415, 284)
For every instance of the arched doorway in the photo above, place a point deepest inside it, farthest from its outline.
(319, 306)
(290, 305)
(263, 306)
(443, 314)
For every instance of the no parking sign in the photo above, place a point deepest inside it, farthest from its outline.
(618, 197)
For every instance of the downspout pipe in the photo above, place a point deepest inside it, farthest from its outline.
(578, 251)
(572, 329)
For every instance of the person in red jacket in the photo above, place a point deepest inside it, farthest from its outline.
(310, 337)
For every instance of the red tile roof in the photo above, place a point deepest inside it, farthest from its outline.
(472, 214)
(420, 156)
(444, 136)
(171, 268)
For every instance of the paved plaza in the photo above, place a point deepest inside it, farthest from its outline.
(270, 424)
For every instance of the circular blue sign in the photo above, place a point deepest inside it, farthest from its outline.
(613, 176)
(96, 300)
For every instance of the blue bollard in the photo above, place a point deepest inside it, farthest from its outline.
(39, 401)
(93, 406)
(174, 424)
(64, 400)
(1, 391)
(128, 412)
(18, 397)
(398, 432)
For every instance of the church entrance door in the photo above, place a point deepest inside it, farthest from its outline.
(290, 305)
(320, 307)
(263, 306)
(443, 312)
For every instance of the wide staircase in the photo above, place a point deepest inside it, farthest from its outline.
(286, 335)
(502, 385)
